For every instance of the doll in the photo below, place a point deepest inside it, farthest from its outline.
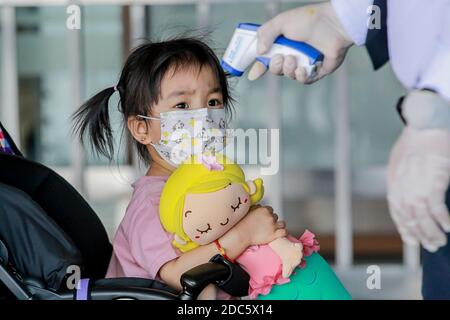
(205, 198)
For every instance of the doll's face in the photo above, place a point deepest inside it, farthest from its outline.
(207, 216)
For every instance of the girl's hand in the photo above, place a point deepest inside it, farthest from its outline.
(261, 226)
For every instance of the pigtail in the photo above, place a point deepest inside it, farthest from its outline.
(259, 193)
(92, 118)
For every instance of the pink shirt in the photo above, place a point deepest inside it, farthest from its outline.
(141, 246)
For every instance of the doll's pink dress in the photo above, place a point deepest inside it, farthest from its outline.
(264, 265)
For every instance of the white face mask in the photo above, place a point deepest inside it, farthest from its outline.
(190, 132)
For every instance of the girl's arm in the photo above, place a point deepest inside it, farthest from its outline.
(259, 226)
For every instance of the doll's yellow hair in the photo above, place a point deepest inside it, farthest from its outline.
(193, 177)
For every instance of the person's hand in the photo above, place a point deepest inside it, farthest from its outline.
(318, 26)
(261, 226)
(418, 177)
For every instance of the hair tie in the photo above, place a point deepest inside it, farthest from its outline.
(115, 88)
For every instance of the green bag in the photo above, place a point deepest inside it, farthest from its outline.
(317, 281)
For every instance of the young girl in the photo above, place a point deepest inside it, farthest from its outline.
(286, 268)
(159, 82)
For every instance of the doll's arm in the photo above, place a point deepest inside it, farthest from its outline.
(290, 253)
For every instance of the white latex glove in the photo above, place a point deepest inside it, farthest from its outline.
(317, 25)
(418, 177)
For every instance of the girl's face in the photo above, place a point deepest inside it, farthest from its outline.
(208, 216)
(186, 89)
(183, 89)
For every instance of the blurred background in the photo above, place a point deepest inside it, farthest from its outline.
(335, 134)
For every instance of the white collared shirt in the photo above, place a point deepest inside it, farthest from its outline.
(418, 39)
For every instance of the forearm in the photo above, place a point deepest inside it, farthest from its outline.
(171, 272)
(233, 242)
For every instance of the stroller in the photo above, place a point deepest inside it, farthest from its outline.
(48, 232)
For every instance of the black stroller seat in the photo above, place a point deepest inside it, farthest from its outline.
(48, 232)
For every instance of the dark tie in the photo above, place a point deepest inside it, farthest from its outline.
(377, 41)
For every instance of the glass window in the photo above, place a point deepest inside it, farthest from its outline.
(165, 21)
(104, 51)
(44, 75)
(308, 126)
(43, 86)
(249, 96)
(375, 123)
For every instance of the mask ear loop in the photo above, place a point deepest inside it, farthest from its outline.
(147, 117)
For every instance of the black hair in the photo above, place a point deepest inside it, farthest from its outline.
(139, 87)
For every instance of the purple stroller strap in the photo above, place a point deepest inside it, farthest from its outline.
(82, 290)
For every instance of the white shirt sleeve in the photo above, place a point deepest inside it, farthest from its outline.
(436, 75)
(353, 16)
